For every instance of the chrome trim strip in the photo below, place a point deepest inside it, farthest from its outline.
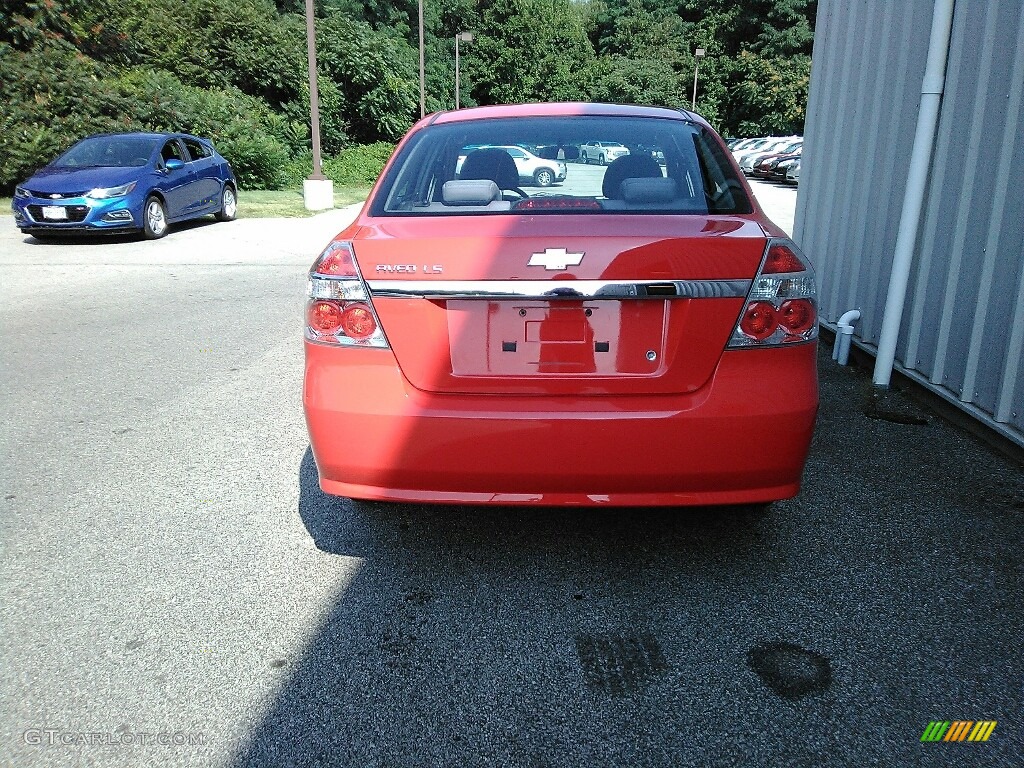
(560, 289)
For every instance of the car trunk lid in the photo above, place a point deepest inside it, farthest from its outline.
(514, 305)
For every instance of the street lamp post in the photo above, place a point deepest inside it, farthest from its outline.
(317, 190)
(466, 37)
(423, 82)
(697, 56)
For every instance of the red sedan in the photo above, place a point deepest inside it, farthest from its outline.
(640, 334)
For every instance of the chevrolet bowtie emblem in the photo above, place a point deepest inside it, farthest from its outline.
(555, 259)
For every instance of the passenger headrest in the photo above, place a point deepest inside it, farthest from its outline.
(643, 190)
(470, 192)
(628, 167)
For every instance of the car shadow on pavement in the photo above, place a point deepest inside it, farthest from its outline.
(84, 238)
(676, 637)
(472, 635)
(107, 238)
(348, 527)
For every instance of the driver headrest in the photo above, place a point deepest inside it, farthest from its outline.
(491, 163)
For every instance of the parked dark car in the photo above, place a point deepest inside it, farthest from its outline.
(782, 167)
(765, 167)
(121, 182)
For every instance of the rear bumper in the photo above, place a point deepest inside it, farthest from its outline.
(742, 438)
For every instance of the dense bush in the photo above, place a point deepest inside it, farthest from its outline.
(252, 137)
(357, 166)
(257, 159)
(44, 116)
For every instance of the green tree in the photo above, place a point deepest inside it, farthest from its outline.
(375, 73)
(623, 80)
(767, 96)
(530, 50)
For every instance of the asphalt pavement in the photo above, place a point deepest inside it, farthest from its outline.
(176, 591)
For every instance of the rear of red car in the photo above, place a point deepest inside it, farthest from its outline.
(637, 335)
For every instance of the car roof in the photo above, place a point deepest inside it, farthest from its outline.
(560, 109)
(149, 135)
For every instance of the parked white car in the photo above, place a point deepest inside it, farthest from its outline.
(744, 144)
(532, 170)
(785, 147)
(749, 145)
(770, 144)
(602, 152)
(536, 170)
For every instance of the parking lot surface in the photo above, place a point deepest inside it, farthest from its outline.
(170, 571)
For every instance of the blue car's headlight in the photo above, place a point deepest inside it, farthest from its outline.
(21, 192)
(101, 193)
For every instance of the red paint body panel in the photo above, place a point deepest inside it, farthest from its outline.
(616, 247)
(742, 438)
(446, 346)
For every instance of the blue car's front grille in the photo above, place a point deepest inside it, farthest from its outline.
(76, 213)
(57, 195)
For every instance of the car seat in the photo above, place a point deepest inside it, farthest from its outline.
(494, 164)
(628, 167)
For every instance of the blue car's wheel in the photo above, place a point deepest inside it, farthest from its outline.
(228, 204)
(154, 218)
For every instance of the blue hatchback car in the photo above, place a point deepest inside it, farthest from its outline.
(121, 182)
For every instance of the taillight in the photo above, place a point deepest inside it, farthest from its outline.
(324, 317)
(782, 304)
(338, 307)
(797, 315)
(555, 204)
(759, 320)
(358, 322)
(336, 263)
(781, 258)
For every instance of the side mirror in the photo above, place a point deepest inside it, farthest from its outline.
(174, 164)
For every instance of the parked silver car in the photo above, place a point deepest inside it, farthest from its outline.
(602, 152)
(793, 173)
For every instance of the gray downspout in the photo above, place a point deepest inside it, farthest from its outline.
(917, 181)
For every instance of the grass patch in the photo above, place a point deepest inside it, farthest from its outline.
(287, 203)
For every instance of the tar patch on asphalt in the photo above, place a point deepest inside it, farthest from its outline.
(617, 664)
(789, 670)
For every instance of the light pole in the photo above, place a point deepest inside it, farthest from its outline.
(317, 190)
(423, 83)
(466, 37)
(697, 56)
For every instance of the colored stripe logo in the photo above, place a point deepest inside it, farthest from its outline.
(958, 730)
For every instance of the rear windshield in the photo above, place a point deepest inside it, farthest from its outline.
(561, 165)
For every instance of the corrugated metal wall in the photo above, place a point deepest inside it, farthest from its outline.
(963, 325)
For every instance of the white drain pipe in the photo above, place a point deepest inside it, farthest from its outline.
(844, 335)
(917, 180)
